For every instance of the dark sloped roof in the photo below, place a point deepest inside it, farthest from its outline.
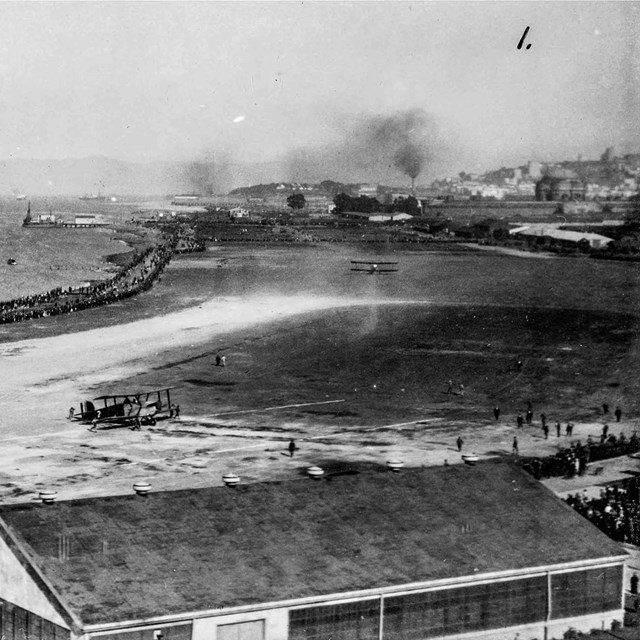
(131, 557)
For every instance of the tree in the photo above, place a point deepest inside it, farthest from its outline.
(343, 203)
(296, 201)
(583, 245)
(364, 204)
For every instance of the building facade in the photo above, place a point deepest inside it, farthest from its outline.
(560, 185)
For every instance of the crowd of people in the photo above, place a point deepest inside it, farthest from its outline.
(138, 276)
(573, 460)
(616, 511)
(189, 245)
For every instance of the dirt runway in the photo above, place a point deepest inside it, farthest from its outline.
(299, 336)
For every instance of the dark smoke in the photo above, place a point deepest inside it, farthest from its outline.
(371, 149)
(409, 159)
(405, 138)
(209, 175)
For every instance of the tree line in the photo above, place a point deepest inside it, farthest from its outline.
(362, 204)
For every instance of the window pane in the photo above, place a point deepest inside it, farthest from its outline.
(176, 632)
(587, 591)
(350, 621)
(464, 609)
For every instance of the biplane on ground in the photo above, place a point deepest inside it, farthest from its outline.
(373, 267)
(126, 409)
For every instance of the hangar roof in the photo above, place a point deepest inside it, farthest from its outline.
(128, 557)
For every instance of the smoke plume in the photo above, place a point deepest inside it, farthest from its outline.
(207, 175)
(404, 138)
(378, 148)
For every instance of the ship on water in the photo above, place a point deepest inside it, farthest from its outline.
(43, 219)
(93, 197)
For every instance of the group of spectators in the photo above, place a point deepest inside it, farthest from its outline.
(573, 460)
(138, 276)
(189, 245)
(567, 462)
(616, 511)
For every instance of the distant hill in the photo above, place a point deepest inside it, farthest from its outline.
(79, 176)
(327, 188)
(90, 175)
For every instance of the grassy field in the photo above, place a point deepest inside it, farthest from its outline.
(459, 316)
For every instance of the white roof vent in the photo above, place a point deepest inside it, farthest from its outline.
(315, 472)
(231, 479)
(395, 465)
(142, 488)
(48, 496)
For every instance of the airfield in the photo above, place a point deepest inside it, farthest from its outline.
(354, 367)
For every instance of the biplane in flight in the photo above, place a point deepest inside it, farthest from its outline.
(373, 267)
(126, 409)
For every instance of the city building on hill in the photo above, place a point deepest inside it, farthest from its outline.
(560, 184)
(534, 170)
(484, 551)
(317, 202)
(369, 190)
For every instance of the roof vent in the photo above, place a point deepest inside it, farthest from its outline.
(48, 496)
(395, 465)
(470, 458)
(231, 479)
(315, 472)
(142, 488)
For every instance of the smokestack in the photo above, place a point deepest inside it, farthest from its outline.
(413, 185)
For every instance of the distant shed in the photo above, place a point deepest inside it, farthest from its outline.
(427, 553)
(89, 220)
(378, 217)
(570, 238)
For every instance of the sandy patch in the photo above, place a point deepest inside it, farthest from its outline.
(42, 378)
(518, 253)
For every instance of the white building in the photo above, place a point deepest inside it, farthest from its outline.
(595, 240)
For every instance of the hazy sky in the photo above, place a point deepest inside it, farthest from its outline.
(171, 80)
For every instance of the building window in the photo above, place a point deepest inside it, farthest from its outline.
(582, 592)
(472, 608)
(349, 621)
(173, 632)
(19, 624)
(253, 630)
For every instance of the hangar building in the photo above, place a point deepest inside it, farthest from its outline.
(482, 551)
